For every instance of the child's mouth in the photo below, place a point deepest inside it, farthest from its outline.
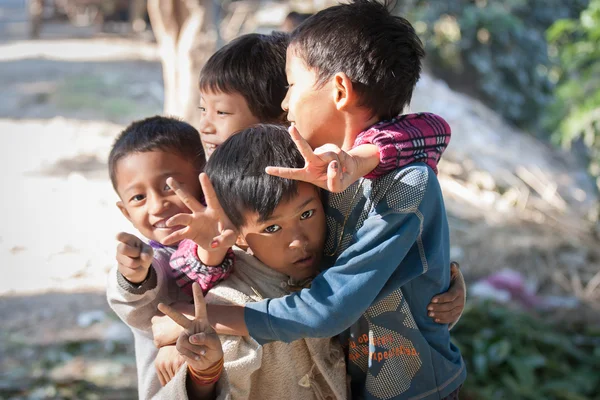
(305, 262)
(162, 224)
(210, 147)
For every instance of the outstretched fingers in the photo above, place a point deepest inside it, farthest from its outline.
(176, 236)
(210, 196)
(187, 199)
(297, 174)
(175, 315)
(199, 304)
(302, 145)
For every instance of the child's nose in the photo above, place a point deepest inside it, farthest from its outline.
(206, 126)
(299, 241)
(285, 102)
(158, 204)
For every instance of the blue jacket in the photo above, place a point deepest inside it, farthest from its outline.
(388, 242)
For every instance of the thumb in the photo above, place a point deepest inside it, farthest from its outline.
(227, 238)
(146, 255)
(334, 177)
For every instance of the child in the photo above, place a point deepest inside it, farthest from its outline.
(144, 155)
(283, 224)
(242, 84)
(351, 70)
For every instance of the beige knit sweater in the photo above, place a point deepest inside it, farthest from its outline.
(305, 369)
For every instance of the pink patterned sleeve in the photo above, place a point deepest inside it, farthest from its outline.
(186, 268)
(410, 138)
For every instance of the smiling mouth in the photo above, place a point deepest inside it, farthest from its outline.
(210, 147)
(162, 224)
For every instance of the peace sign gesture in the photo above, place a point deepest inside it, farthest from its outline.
(206, 351)
(207, 226)
(328, 166)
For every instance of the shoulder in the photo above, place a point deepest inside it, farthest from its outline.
(231, 291)
(425, 120)
(422, 123)
(404, 189)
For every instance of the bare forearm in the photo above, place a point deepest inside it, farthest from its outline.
(367, 156)
(227, 320)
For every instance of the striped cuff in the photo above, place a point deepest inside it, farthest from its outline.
(138, 288)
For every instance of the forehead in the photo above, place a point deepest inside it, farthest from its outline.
(218, 97)
(145, 166)
(307, 194)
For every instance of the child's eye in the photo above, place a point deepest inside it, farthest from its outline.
(202, 109)
(307, 214)
(222, 113)
(138, 197)
(272, 229)
(167, 188)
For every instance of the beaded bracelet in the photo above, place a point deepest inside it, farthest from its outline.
(207, 376)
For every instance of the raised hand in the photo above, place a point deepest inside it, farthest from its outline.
(207, 226)
(134, 257)
(328, 166)
(206, 351)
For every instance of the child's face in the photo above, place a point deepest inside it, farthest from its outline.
(146, 199)
(223, 114)
(310, 106)
(292, 240)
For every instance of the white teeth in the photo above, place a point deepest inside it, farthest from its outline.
(160, 224)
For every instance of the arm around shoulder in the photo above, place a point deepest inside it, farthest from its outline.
(341, 294)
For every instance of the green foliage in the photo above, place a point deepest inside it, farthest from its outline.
(495, 50)
(576, 110)
(513, 355)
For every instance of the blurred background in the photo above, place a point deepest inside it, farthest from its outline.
(518, 81)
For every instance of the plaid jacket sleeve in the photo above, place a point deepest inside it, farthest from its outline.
(186, 268)
(410, 138)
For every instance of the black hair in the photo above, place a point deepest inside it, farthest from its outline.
(157, 133)
(252, 65)
(237, 171)
(380, 52)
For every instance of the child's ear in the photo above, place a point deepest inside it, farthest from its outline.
(241, 240)
(123, 210)
(344, 93)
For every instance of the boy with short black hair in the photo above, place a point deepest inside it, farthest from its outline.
(242, 84)
(282, 222)
(143, 156)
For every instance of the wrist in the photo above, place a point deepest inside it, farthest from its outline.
(149, 282)
(367, 158)
(211, 258)
(139, 279)
(208, 376)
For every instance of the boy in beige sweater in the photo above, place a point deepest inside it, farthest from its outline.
(282, 224)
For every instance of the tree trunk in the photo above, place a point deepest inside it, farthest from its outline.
(36, 17)
(186, 34)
